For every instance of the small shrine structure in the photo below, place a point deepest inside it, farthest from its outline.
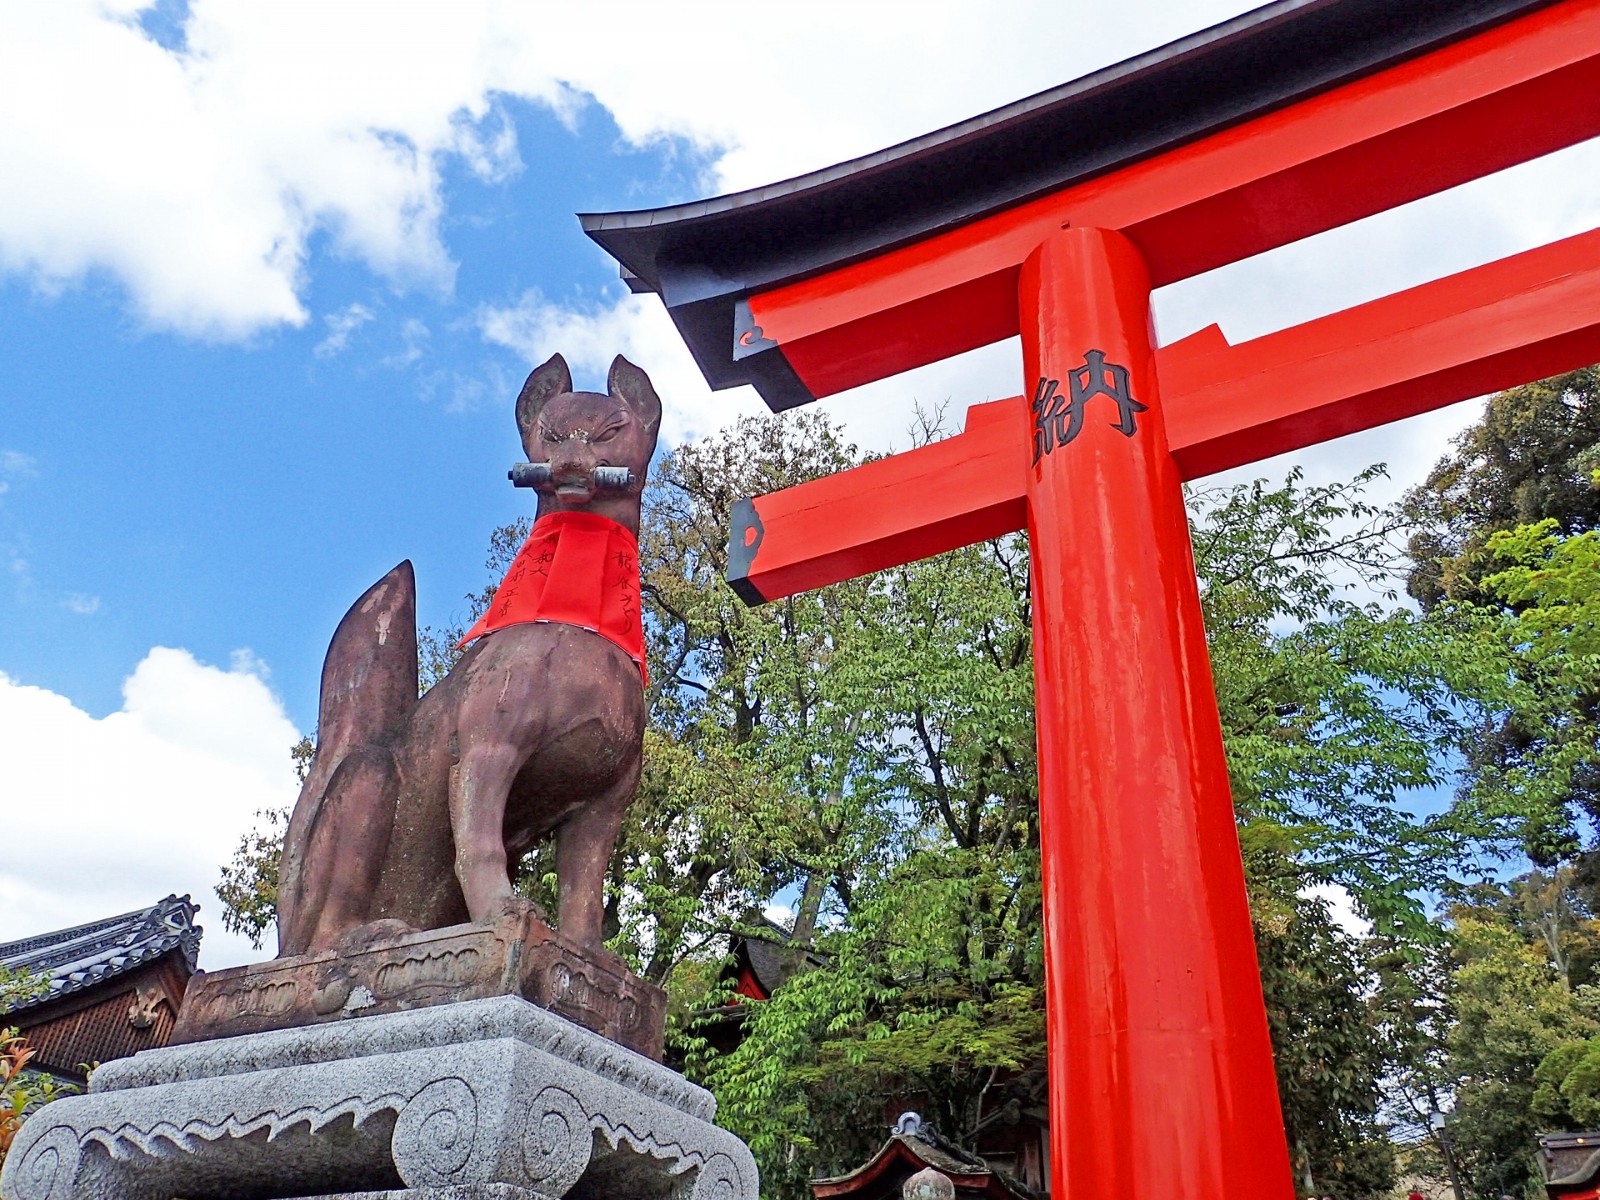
(110, 988)
(1054, 218)
(1571, 1164)
(913, 1147)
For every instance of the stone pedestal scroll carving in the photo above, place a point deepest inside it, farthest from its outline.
(492, 1099)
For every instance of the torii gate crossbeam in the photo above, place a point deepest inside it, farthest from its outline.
(1054, 219)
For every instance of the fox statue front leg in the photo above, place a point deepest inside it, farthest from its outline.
(584, 842)
(500, 723)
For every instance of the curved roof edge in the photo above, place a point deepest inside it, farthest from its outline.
(1263, 59)
(71, 960)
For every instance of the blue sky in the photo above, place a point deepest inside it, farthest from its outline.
(270, 276)
(218, 494)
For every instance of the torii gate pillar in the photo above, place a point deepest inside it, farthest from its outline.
(1144, 896)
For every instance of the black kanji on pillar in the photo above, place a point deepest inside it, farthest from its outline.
(1058, 418)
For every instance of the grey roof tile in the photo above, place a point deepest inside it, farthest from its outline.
(80, 957)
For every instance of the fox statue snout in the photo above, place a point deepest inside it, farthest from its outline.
(416, 811)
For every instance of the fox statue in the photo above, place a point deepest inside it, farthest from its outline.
(415, 812)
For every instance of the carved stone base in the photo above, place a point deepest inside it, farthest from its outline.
(518, 956)
(483, 1100)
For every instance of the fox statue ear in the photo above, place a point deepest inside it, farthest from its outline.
(629, 383)
(550, 379)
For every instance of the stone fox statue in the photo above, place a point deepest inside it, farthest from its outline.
(416, 811)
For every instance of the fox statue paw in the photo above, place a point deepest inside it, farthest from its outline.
(518, 908)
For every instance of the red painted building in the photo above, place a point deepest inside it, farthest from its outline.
(1571, 1163)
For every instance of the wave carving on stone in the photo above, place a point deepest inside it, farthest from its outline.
(419, 972)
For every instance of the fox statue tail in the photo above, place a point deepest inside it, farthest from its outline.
(369, 687)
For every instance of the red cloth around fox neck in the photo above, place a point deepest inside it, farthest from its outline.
(579, 569)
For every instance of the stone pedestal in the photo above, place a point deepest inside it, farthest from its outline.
(491, 1099)
(518, 955)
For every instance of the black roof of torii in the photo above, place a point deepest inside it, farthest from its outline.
(704, 257)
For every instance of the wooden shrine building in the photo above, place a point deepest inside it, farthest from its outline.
(112, 987)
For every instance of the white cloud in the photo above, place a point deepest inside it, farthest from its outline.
(105, 815)
(1341, 906)
(414, 335)
(273, 120)
(196, 176)
(15, 466)
(636, 327)
(83, 605)
(341, 325)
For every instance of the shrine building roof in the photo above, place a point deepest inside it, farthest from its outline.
(910, 1148)
(78, 958)
(706, 257)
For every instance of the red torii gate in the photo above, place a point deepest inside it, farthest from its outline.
(1054, 218)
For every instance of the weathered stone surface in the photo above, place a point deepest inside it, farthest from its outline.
(518, 955)
(415, 806)
(489, 1098)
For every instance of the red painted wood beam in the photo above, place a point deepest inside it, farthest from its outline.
(1513, 93)
(1495, 326)
(893, 510)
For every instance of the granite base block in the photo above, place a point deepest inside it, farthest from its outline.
(492, 1099)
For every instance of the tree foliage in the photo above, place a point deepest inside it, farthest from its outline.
(1532, 462)
(20, 987)
(866, 754)
(1511, 1010)
(1532, 457)
(21, 1090)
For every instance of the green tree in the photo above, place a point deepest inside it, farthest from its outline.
(1531, 457)
(1338, 713)
(933, 987)
(868, 750)
(1512, 1010)
(1483, 1028)
(1322, 1009)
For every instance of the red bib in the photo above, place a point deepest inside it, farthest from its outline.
(576, 568)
